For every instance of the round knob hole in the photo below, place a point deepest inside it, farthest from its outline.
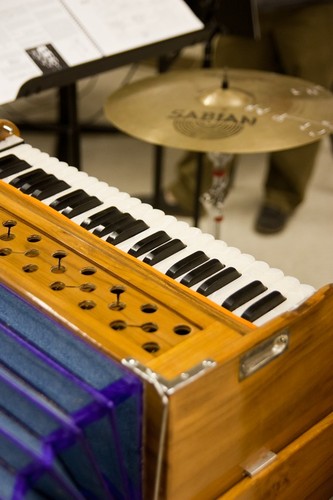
(151, 347)
(88, 271)
(34, 238)
(59, 254)
(149, 308)
(5, 251)
(117, 289)
(30, 268)
(33, 252)
(182, 329)
(149, 327)
(118, 325)
(87, 304)
(57, 285)
(87, 287)
(117, 306)
(58, 269)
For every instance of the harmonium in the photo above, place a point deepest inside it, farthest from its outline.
(144, 359)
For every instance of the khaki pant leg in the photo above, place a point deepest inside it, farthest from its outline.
(288, 176)
(184, 187)
(303, 40)
(245, 53)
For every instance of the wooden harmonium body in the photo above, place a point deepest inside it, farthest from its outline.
(119, 382)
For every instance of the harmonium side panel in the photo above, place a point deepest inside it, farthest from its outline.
(217, 422)
(304, 469)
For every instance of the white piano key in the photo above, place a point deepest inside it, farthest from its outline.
(59, 169)
(32, 157)
(216, 248)
(295, 294)
(231, 256)
(21, 149)
(10, 142)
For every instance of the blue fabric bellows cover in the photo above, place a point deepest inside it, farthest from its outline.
(70, 417)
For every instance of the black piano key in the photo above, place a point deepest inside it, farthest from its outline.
(29, 187)
(202, 272)
(47, 182)
(149, 243)
(118, 222)
(263, 306)
(136, 227)
(36, 181)
(187, 264)
(43, 191)
(26, 180)
(243, 295)
(11, 164)
(69, 199)
(79, 207)
(121, 223)
(164, 251)
(218, 281)
(103, 217)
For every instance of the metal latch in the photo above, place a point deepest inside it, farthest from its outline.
(258, 461)
(262, 354)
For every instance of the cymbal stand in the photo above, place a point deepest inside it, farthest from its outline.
(213, 200)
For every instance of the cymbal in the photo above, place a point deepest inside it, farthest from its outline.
(240, 111)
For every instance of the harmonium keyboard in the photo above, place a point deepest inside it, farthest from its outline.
(142, 358)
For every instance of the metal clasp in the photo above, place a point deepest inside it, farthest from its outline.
(262, 354)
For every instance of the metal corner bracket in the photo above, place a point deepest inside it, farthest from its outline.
(169, 386)
(165, 388)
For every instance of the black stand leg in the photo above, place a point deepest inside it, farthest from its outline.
(197, 194)
(68, 147)
(158, 150)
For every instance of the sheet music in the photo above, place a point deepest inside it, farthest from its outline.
(41, 36)
(120, 25)
(38, 36)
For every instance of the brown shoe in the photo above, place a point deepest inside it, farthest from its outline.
(271, 220)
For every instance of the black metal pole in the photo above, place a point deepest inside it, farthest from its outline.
(197, 193)
(68, 146)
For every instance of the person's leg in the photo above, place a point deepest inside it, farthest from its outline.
(289, 175)
(181, 192)
(287, 179)
(302, 39)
